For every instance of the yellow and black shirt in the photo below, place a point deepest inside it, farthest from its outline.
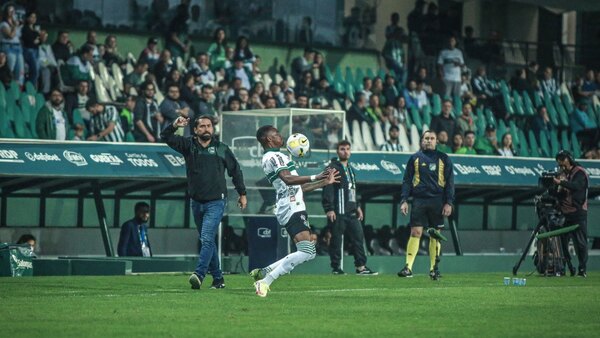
(428, 174)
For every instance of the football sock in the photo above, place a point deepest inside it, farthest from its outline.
(306, 251)
(434, 251)
(411, 251)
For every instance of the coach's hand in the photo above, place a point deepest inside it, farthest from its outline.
(242, 202)
(181, 122)
(447, 210)
(404, 208)
(331, 216)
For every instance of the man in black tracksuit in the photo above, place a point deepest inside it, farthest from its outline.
(206, 160)
(572, 193)
(344, 214)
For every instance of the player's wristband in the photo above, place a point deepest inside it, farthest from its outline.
(313, 178)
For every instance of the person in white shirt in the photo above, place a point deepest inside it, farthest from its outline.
(290, 207)
(506, 149)
(450, 62)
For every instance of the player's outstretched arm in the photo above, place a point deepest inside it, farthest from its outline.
(332, 176)
(290, 179)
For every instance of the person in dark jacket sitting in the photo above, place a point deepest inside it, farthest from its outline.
(133, 240)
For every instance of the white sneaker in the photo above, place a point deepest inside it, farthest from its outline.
(261, 288)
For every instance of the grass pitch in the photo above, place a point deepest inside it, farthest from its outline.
(476, 305)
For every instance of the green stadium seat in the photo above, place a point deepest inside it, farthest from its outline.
(500, 130)
(518, 104)
(456, 100)
(370, 73)
(426, 112)
(528, 105)
(537, 99)
(21, 130)
(339, 87)
(489, 117)
(349, 77)
(328, 74)
(524, 146)
(554, 144)
(409, 120)
(564, 141)
(575, 144)
(533, 145)
(382, 73)
(358, 78)
(350, 91)
(593, 116)
(14, 90)
(481, 124)
(416, 118)
(551, 112)
(2, 98)
(563, 118)
(566, 99)
(337, 77)
(544, 145)
(503, 87)
(437, 105)
(30, 89)
(129, 137)
(508, 104)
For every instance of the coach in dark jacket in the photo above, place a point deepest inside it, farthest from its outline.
(206, 160)
(344, 214)
(133, 240)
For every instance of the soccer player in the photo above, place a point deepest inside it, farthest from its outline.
(429, 179)
(290, 208)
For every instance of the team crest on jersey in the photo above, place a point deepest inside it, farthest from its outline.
(211, 150)
(432, 166)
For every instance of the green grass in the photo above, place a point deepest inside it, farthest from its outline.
(476, 305)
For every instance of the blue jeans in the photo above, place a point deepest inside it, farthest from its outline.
(207, 217)
(31, 57)
(14, 59)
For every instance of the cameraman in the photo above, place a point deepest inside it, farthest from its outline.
(572, 188)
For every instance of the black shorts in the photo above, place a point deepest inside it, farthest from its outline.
(427, 213)
(297, 223)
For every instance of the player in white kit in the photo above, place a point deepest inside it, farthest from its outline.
(290, 208)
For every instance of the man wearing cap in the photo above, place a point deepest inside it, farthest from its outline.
(150, 54)
(238, 70)
(487, 145)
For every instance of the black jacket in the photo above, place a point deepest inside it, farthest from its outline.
(206, 167)
(336, 197)
(428, 174)
(129, 239)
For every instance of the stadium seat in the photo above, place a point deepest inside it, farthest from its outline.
(30, 89)
(128, 69)
(381, 73)
(568, 103)
(544, 145)
(291, 82)
(518, 103)
(386, 128)
(508, 103)
(437, 105)
(416, 117)
(426, 111)
(533, 145)
(554, 144)
(336, 105)
(61, 83)
(180, 65)
(337, 76)
(370, 73)
(158, 95)
(328, 74)
(101, 93)
(565, 142)
(537, 99)
(103, 73)
(415, 139)
(118, 76)
(514, 131)
(358, 78)
(593, 116)
(2, 98)
(524, 149)
(21, 130)
(563, 118)
(457, 102)
(278, 78)
(349, 78)
(347, 132)
(367, 137)
(350, 91)
(357, 139)
(131, 58)
(528, 105)
(378, 134)
(267, 80)
(404, 138)
(500, 131)
(575, 144)
(552, 114)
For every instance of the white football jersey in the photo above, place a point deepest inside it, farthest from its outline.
(290, 198)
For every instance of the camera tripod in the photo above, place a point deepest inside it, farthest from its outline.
(545, 221)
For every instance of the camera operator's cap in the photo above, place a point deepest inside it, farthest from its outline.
(152, 41)
(490, 127)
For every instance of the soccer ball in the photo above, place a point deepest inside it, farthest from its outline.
(298, 145)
